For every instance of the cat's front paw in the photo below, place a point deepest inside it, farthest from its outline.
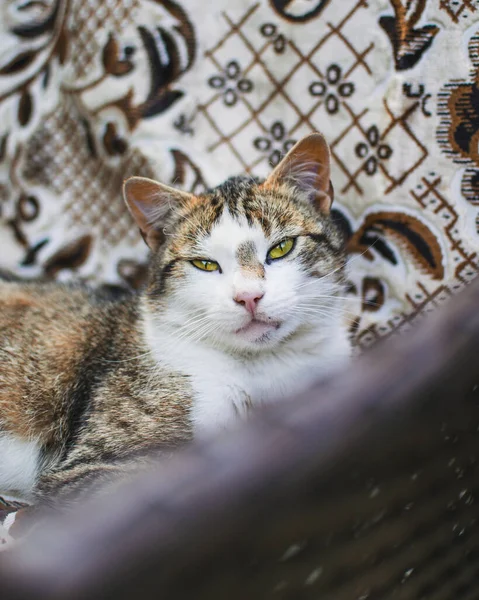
(210, 418)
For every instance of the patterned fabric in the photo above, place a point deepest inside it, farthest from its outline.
(191, 92)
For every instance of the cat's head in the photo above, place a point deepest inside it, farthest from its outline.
(248, 264)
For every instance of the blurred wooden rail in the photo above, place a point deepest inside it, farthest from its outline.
(365, 487)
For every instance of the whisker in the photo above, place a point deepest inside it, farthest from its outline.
(328, 309)
(322, 296)
(316, 311)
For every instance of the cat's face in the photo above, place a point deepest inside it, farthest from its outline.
(245, 266)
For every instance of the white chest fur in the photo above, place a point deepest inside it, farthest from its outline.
(227, 387)
(19, 464)
(234, 388)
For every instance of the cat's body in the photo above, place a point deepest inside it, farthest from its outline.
(88, 386)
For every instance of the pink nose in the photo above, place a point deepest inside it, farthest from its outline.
(248, 299)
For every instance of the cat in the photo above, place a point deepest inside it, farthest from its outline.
(243, 306)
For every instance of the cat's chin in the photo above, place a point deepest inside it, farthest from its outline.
(257, 331)
(257, 336)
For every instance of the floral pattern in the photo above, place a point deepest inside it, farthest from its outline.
(275, 144)
(94, 91)
(408, 41)
(458, 133)
(270, 31)
(231, 83)
(333, 89)
(372, 152)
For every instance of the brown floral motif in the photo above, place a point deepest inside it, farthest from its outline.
(163, 71)
(113, 143)
(114, 63)
(372, 152)
(458, 133)
(48, 41)
(3, 146)
(39, 28)
(395, 237)
(470, 186)
(167, 47)
(379, 230)
(25, 107)
(276, 144)
(408, 41)
(183, 124)
(373, 294)
(231, 83)
(166, 64)
(20, 62)
(70, 256)
(333, 89)
(168, 51)
(26, 209)
(463, 107)
(270, 31)
(299, 11)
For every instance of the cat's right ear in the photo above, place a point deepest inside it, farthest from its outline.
(307, 167)
(149, 202)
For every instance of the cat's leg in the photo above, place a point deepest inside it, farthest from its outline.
(62, 487)
(19, 463)
(214, 411)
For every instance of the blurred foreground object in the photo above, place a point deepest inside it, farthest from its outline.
(364, 488)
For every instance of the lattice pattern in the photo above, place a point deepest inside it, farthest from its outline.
(255, 118)
(459, 8)
(89, 23)
(61, 156)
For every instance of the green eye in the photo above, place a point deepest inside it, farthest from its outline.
(281, 249)
(205, 265)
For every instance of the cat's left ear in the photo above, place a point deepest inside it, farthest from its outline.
(149, 203)
(307, 167)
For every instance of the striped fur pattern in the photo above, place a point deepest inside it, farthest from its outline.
(91, 386)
